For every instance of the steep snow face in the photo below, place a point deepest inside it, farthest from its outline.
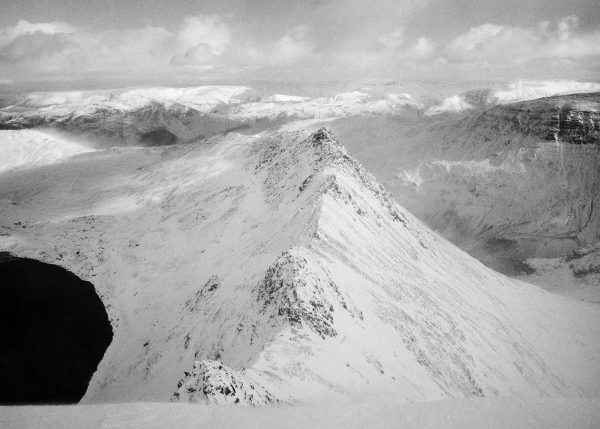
(32, 148)
(522, 90)
(282, 259)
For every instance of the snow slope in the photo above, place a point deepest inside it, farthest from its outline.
(32, 148)
(576, 275)
(492, 413)
(280, 257)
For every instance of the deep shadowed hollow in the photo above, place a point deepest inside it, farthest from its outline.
(54, 331)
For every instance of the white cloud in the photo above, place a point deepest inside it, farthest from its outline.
(473, 39)
(422, 49)
(291, 47)
(23, 27)
(505, 44)
(211, 31)
(565, 26)
(392, 40)
(326, 48)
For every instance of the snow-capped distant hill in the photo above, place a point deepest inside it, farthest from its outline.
(282, 259)
(203, 98)
(522, 90)
(160, 116)
(154, 116)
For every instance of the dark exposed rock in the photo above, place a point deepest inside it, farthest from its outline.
(291, 291)
(213, 382)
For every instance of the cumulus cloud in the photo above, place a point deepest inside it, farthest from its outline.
(203, 39)
(360, 40)
(423, 48)
(469, 42)
(291, 47)
(393, 39)
(23, 27)
(505, 44)
(33, 46)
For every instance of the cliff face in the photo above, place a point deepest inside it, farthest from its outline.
(280, 258)
(578, 125)
(572, 119)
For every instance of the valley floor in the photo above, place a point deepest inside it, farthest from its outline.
(464, 413)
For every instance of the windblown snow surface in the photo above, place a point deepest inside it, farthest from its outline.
(32, 148)
(495, 413)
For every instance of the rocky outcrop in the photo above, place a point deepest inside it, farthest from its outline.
(211, 382)
(576, 124)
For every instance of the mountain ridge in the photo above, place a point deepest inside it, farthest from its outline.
(280, 257)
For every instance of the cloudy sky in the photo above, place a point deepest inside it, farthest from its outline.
(162, 41)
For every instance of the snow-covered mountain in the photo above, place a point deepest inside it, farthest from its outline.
(523, 178)
(277, 262)
(159, 116)
(523, 90)
(506, 183)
